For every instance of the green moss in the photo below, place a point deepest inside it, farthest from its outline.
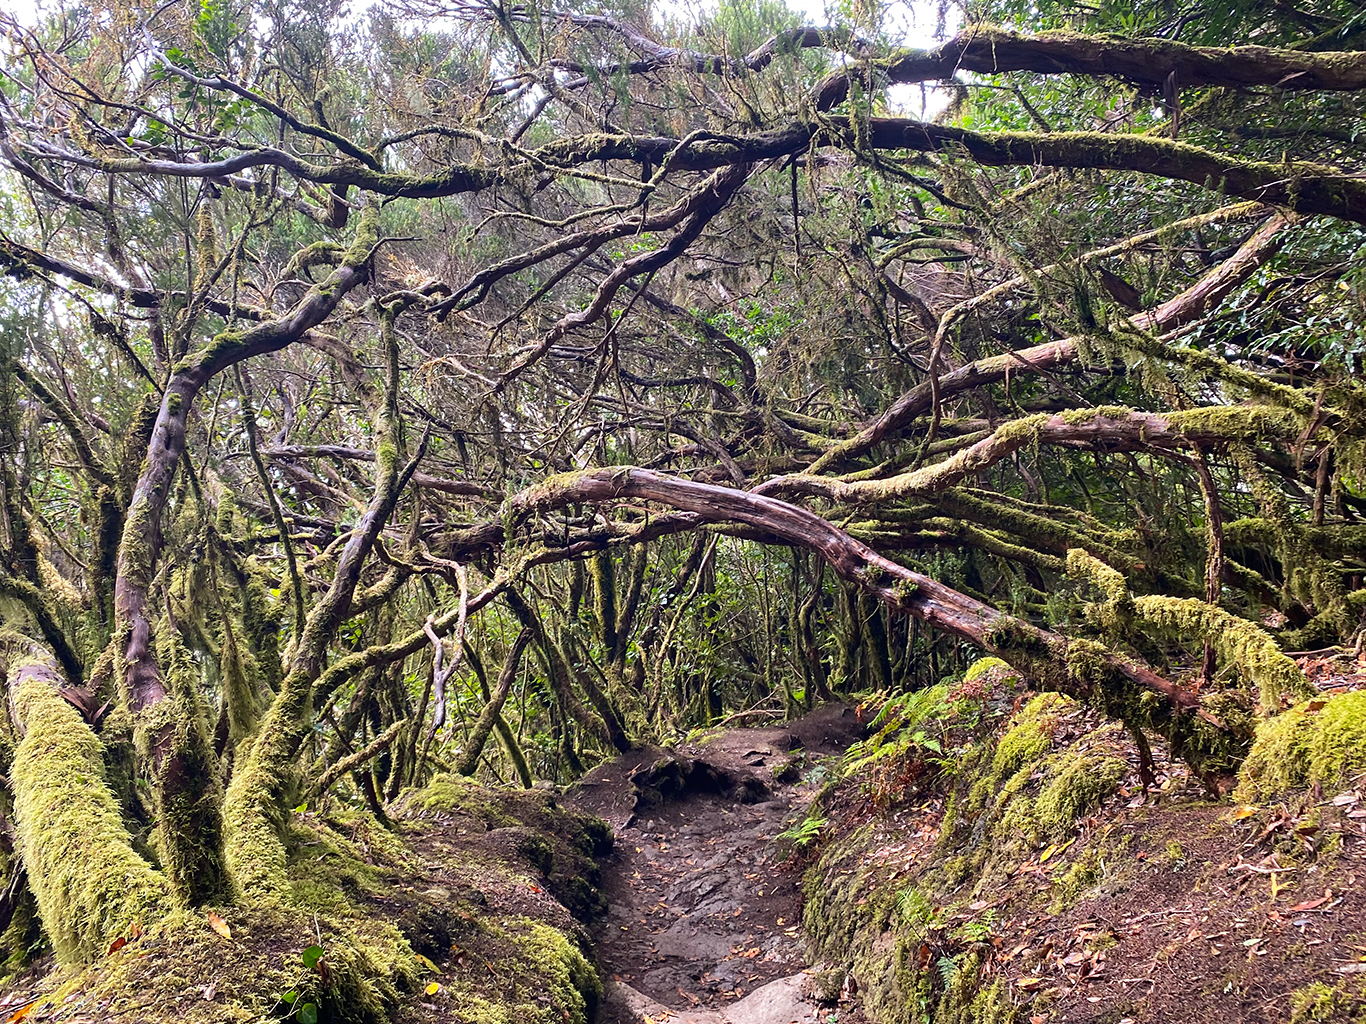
(254, 813)
(981, 666)
(1236, 422)
(1024, 429)
(1080, 783)
(905, 589)
(456, 793)
(1321, 741)
(1081, 876)
(1116, 611)
(1236, 641)
(188, 796)
(183, 970)
(1315, 1003)
(1088, 662)
(967, 1001)
(90, 885)
(1100, 412)
(1028, 739)
(1005, 797)
(545, 979)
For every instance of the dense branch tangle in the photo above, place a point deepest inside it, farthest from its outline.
(670, 375)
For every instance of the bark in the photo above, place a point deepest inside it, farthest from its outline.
(1184, 308)
(1299, 185)
(560, 670)
(990, 50)
(1147, 62)
(1092, 429)
(142, 539)
(488, 718)
(252, 810)
(1080, 668)
(363, 756)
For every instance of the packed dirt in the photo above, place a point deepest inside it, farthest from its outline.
(704, 911)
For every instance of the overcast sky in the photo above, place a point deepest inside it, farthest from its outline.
(911, 22)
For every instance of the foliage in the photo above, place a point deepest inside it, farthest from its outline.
(338, 352)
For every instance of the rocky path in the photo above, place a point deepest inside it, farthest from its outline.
(703, 925)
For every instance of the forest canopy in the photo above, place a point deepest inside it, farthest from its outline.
(490, 388)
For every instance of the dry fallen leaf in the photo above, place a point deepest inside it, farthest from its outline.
(117, 944)
(1309, 904)
(219, 925)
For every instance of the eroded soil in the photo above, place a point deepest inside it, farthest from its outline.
(704, 911)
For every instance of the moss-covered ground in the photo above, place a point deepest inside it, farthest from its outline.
(993, 857)
(471, 911)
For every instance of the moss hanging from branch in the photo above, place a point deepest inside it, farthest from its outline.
(1236, 641)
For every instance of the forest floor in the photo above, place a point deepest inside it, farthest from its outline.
(1190, 909)
(1158, 904)
(704, 911)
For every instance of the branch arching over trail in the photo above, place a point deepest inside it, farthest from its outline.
(1082, 668)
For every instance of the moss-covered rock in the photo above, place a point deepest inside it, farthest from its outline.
(526, 826)
(542, 978)
(1320, 741)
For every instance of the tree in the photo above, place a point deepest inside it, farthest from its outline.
(340, 353)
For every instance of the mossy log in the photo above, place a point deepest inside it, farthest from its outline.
(1103, 429)
(1143, 61)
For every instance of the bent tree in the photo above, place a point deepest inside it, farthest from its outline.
(493, 388)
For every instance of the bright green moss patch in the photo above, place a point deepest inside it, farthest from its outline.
(983, 665)
(1314, 1003)
(1320, 741)
(1236, 641)
(542, 978)
(1079, 783)
(184, 970)
(90, 885)
(457, 794)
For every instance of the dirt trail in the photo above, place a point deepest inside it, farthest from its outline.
(703, 921)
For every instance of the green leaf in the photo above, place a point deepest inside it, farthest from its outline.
(311, 956)
(290, 996)
(308, 1014)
